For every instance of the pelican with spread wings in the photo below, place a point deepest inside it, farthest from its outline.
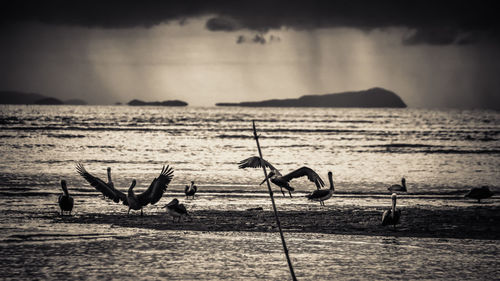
(135, 202)
(283, 181)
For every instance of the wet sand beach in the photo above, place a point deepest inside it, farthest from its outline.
(474, 222)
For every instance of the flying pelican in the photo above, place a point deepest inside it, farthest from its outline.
(397, 187)
(392, 215)
(65, 200)
(176, 210)
(135, 202)
(190, 190)
(277, 178)
(322, 194)
(479, 193)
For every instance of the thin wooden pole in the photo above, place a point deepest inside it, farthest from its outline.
(285, 249)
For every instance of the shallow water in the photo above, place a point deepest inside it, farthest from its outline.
(186, 255)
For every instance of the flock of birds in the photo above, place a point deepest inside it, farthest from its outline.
(177, 210)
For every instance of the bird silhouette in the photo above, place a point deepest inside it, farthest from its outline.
(65, 200)
(176, 210)
(322, 195)
(190, 190)
(135, 202)
(110, 182)
(479, 193)
(283, 181)
(397, 187)
(391, 216)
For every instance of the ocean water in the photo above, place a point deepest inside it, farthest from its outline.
(437, 151)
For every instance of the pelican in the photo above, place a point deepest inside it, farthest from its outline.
(176, 210)
(392, 215)
(479, 193)
(65, 200)
(190, 190)
(277, 178)
(135, 202)
(397, 187)
(322, 195)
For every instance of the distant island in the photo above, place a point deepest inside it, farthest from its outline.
(374, 97)
(14, 97)
(157, 103)
(75, 102)
(49, 101)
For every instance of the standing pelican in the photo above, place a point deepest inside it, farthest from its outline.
(479, 193)
(397, 187)
(135, 202)
(176, 210)
(322, 194)
(190, 190)
(277, 178)
(392, 215)
(65, 200)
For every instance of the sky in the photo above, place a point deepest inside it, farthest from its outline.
(433, 54)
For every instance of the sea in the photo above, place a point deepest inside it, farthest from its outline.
(442, 153)
(437, 151)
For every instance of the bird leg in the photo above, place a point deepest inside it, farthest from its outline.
(128, 213)
(281, 188)
(141, 212)
(289, 192)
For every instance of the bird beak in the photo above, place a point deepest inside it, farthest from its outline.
(263, 181)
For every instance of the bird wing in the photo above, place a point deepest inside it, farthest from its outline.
(318, 193)
(181, 209)
(305, 171)
(254, 162)
(158, 186)
(386, 217)
(101, 186)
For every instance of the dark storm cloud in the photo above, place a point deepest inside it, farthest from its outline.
(258, 39)
(435, 22)
(433, 36)
(222, 24)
